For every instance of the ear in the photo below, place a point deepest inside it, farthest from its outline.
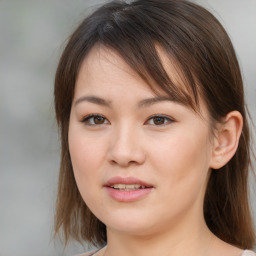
(226, 141)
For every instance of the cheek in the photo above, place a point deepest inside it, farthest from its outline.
(184, 158)
(86, 156)
(182, 165)
(86, 153)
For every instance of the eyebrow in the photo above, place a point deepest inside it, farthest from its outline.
(143, 103)
(93, 99)
(154, 100)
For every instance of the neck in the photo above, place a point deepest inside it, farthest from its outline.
(192, 240)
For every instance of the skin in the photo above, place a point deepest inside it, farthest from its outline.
(174, 153)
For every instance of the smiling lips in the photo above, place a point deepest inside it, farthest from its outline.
(127, 189)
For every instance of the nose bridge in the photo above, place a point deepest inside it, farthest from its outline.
(125, 146)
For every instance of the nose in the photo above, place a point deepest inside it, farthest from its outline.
(126, 147)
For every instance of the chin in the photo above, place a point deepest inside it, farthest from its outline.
(130, 225)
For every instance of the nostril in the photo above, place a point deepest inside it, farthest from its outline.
(122, 162)
(124, 150)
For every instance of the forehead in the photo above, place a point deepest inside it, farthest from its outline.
(104, 59)
(104, 73)
(103, 63)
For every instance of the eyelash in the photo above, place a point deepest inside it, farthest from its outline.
(87, 120)
(167, 120)
(91, 117)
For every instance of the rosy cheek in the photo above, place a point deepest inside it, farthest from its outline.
(181, 153)
(77, 151)
(85, 154)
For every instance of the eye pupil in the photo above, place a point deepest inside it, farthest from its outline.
(99, 120)
(158, 120)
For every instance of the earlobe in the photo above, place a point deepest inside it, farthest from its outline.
(226, 141)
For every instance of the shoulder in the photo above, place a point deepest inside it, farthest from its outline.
(248, 253)
(87, 253)
(95, 252)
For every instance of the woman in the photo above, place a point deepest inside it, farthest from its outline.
(155, 141)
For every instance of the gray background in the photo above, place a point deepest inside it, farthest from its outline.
(32, 36)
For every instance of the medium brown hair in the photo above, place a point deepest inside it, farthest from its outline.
(198, 44)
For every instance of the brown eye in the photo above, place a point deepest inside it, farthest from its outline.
(99, 120)
(95, 120)
(159, 120)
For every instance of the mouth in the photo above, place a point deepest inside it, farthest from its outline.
(127, 189)
(127, 183)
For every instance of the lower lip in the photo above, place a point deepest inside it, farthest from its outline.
(128, 196)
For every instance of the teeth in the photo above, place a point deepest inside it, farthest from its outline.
(125, 187)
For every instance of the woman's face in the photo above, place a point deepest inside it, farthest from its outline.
(141, 161)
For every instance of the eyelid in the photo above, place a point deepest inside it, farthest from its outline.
(168, 118)
(86, 118)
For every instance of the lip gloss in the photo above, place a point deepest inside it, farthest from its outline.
(127, 195)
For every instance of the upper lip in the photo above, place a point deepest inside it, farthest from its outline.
(126, 181)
